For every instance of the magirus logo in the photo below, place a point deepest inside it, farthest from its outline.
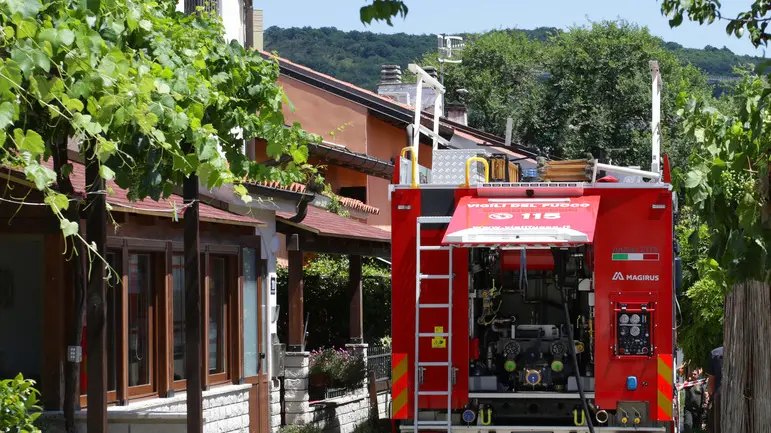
(618, 276)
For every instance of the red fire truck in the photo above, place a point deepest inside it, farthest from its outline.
(531, 295)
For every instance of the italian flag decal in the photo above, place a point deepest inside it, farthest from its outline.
(635, 257)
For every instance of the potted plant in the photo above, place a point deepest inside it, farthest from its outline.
(318, 371)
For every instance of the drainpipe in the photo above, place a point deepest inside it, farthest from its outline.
(302, 208)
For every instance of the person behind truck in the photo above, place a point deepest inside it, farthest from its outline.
(694, 403)
(715, 377)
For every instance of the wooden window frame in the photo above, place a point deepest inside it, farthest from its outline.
(224, 343)
(160, 316)
(151, 388)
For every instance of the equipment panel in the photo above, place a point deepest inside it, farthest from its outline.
(634, 333)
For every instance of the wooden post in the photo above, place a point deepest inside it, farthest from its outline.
(192, 252)
(296, 328)
(74, 320)
(193, 332)
(96, 331)
(374, 409)
(356, 324)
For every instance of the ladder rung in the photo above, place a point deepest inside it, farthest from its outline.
(434, 219)
(432, 423)
(433, 364)
(432, 393)
(434, 305)
(435, 248)
(435, 277)
(433, 334)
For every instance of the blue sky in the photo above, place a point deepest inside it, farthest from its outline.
(454, 16)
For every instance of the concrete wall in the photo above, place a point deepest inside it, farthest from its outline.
(225, 410)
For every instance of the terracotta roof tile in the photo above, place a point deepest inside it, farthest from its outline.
(330, 224)
(294, 187)
(120, 202)
(359, 205)
(345, 201)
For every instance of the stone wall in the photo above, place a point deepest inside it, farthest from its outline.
(225, 410)
(344, 414)
(337, 415)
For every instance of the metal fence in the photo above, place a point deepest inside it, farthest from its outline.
(379, 361)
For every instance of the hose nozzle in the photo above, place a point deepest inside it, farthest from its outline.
(601, 416)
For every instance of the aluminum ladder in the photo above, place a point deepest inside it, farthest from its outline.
(419, 366)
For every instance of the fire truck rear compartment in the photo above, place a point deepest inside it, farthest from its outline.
(520, 345)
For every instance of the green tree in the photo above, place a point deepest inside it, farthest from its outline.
(586, 90)
(154, 95)
(728, 185)
(700, 327)
(500, 70)
(598, 96)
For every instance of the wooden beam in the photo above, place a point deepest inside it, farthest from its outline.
(96, 330)
(356, 325)
(193, 332)
(296, 325)
(312, 243)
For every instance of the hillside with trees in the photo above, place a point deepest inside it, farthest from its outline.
(357, 56)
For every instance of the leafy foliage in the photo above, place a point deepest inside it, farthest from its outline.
(586, 90)
(753, 21)
(727, 181)
(326, 282)
(18, 405)
(357, 57)
(701, 326)
(155, 95)
(383, 10)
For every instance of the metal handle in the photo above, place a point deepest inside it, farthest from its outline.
(414, 164)
(468, 168)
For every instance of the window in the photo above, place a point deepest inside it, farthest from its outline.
(178, 314)
(146, 317)
(139, 320)
(217, 291)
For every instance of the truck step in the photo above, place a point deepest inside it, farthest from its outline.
(433, 423)
(434, 306)
(433, 364)
(435, 277)
(434, 248)
(433, 334)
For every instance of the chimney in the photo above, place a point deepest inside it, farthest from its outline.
(430, 70)
(257, 30)
(390, 74)
(457, 112)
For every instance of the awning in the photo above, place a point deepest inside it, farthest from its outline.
(523, 222)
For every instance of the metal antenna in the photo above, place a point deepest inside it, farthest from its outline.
(450, 49)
